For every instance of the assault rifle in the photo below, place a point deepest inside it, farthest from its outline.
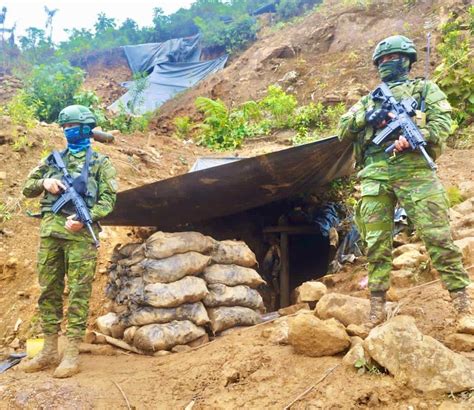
(71, 195)
(401, 122)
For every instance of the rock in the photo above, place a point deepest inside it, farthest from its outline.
(355, 353)
(314, 337)
(289, 77)
(285, 51)
(290, 310)
(466, 188)
(180, 348)
(310, 291)
(466, 325)
(3, 175)
(418, 360)
(400, 239)
(356, 330)
(15, 344)
(346, 309)
(409, 247)
(355, 340)
(410, 259)
(462, 233)
(460, 342)
(466, 246)
(89, 337)
(466, 207)
(403, 278)
(11, 262)
(277, 334)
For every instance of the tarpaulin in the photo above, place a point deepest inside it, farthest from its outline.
(143, 57)
(209, 162)
(165, 82)
(232, 188)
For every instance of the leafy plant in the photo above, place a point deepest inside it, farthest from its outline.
(183, 127)
(280, 105)
(52, 87)
(454, 196)
(5, 213)
(364, 366)
(21, 111)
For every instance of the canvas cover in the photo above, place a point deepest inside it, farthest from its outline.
(234, 187)
(143, 57)
(166, 80)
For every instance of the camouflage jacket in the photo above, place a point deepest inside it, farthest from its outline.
(436, 128)
(101, 187)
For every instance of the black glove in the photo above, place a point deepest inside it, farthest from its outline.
(377, 117)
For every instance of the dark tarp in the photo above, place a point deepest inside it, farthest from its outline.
(166, 80)
(143, 57)
(209, 162)
(233, 188)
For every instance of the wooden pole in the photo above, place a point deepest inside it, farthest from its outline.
(285, 271)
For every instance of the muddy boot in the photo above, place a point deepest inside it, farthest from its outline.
(70, 363)
(377, 310)
(463, 306)
(48, 357)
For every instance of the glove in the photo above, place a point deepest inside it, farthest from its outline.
(376, 118)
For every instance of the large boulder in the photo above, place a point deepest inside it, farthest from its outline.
(310, 291)
(466, 246)
(315, 337)
(462, 342)
(409, 260)
(417, 360)
(346, 309)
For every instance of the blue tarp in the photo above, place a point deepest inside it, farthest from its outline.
(143, 57)
(166, 80)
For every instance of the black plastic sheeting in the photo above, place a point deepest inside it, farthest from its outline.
(210, 162)
(166, 80)
(143, 57)
(234, 187)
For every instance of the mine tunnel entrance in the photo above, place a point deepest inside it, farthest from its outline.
(292, 243)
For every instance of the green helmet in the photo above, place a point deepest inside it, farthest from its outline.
(395, 44)
(77, 114)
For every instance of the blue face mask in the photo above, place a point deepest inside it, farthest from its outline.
(78, 141)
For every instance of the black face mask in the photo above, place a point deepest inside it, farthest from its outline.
(394, 70)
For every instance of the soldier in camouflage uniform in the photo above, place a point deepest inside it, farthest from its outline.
(404, 177)
(66, 246)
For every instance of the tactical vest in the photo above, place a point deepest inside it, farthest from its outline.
(363, 146)
(74, 166)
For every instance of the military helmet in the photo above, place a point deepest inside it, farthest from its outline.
(77, 114)
(395, 44)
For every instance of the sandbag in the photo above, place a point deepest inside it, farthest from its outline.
(135, 257)
(130, 289)
(129, 334)
(144, 315)
(164, 244)
(106, 322)
(126, 250)
(222, 295)
(171, 269)
(233, 252)
(223, 317)
(232, 275)
(163, 337)
(187, 290)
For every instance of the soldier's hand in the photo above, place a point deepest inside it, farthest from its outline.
(53, 185)
(378, 118)
(72, 225)
(401, 144)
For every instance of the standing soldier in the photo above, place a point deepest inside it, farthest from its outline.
(404, 177)
(67, 247)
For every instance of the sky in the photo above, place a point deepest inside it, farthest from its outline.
(82, 13)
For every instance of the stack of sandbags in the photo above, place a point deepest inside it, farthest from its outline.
(157, 283)
(232, 299)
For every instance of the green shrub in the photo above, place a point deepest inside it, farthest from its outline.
(183, 127)
(279, 105)
(454, 196)
(21, 111)
(52, 87)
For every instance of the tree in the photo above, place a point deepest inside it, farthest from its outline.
(49, 20)
(104, 23)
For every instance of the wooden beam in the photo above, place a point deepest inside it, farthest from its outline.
(293, 229)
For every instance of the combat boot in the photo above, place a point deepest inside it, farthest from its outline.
(48, 357)
(461, 302)
(70, 362)
(377, 310)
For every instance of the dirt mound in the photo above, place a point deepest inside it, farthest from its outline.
(9, 86)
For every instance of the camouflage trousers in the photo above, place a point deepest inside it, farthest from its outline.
(425, 201)
(59, 259)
